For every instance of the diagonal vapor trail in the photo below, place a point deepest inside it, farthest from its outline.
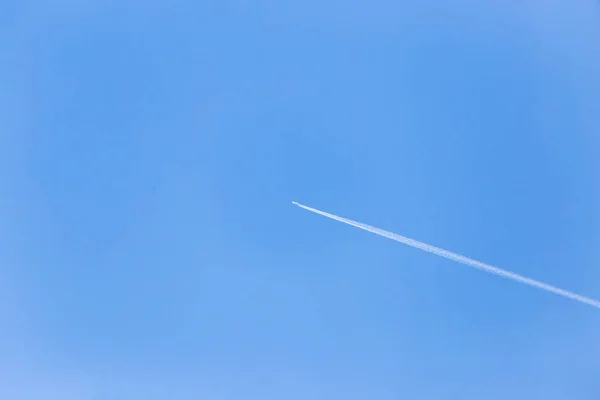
(458, 258)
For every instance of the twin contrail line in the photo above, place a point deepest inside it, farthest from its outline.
(458, 258)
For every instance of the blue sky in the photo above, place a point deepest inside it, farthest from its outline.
(150, 151)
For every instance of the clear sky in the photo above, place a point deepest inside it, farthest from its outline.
(150, 151)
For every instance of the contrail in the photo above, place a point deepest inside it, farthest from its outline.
(458, 258)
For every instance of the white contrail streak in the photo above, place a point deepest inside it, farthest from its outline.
(458, 258)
